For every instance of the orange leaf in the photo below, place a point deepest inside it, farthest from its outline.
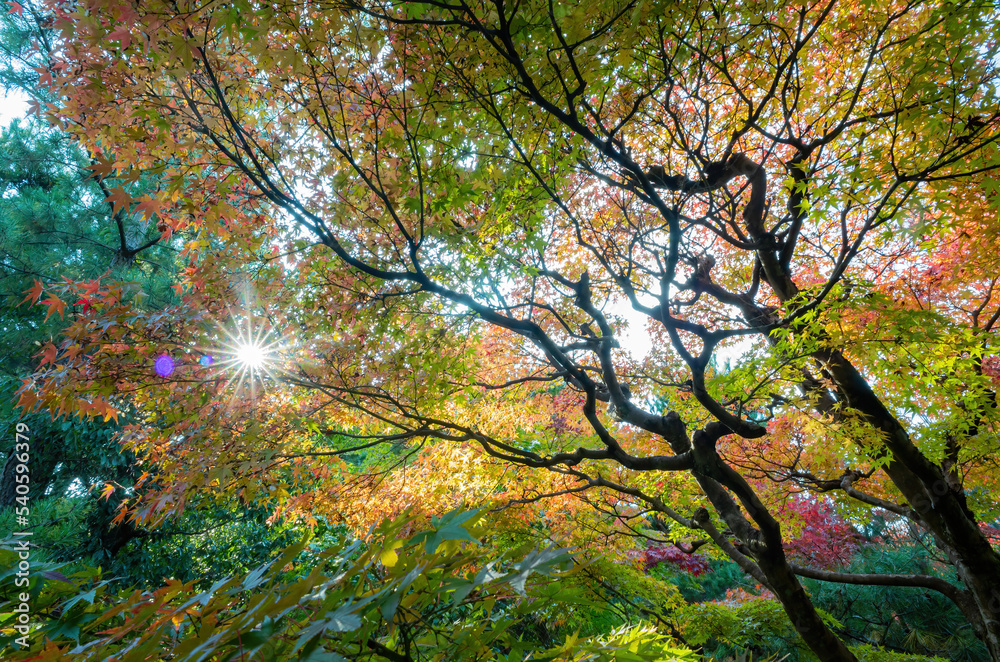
(91, 286)
(148, 206)
(119, 199)
(27, 398)
(56, 305)
(107, 491)
(34, 293)
(104, 409)
(48, 353)
(122, 512)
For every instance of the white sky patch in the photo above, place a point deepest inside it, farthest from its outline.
(13, 105)
(734, 351)
(636, 339)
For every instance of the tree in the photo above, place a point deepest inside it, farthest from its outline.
(449, 204)
(56, 225)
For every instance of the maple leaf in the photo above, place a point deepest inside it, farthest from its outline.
(27, 398)
(119, 199)
(90, 287)
(35, 107)
(34, 293)
(122, 514)
(102, 167)
(48, 354)
(15, 8)
(123, 35)
(148, 206)
(56, 305)
(107, 491)
(105, 409)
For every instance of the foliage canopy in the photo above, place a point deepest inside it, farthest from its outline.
(444, 227)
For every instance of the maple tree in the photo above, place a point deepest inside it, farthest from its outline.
(444, 211)
(56, 224)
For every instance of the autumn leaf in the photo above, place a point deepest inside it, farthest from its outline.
(34, 292)
(119, 199)
(102, 167)
(90, 287)
(148, 206)
(26, 397)
(48, 354)
(55, 304)
(105, 409)
(121, 34)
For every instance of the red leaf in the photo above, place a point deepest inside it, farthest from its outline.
(48, 354)
(15, 8)
(123, 35)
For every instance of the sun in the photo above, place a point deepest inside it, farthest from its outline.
(252, 352)
(252, 355)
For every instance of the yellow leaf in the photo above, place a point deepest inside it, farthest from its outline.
(389, 557)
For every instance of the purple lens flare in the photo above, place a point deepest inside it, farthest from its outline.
(164, 365)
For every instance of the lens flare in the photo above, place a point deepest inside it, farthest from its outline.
(163, 365)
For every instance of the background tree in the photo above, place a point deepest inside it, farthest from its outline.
(56, 225)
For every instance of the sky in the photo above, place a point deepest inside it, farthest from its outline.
(14, 104)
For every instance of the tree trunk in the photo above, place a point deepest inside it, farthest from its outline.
(807, 622)
(939, 502)
(715, 477)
